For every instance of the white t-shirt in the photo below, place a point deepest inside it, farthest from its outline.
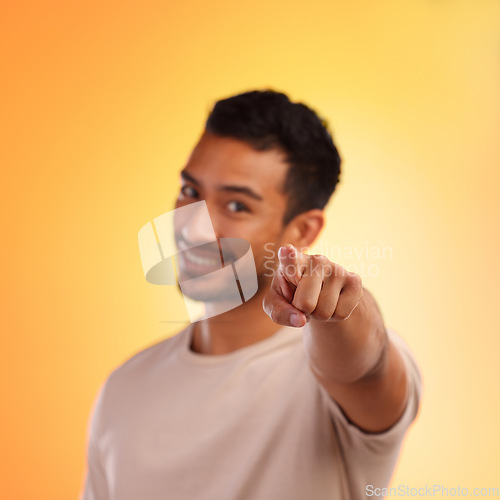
(172, 424)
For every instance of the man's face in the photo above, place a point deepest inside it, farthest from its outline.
(243, 191)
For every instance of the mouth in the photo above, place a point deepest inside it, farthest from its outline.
(201, 259)
(198, 261)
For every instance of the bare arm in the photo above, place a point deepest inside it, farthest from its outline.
(345, 338)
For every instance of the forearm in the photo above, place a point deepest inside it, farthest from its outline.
(348, 350)
(345, 339)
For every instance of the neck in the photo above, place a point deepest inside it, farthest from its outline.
(237, 328)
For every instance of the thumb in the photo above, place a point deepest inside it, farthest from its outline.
(281, 311)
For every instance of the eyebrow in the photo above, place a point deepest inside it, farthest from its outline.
(231, 188)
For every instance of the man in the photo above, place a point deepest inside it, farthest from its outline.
(299, 393)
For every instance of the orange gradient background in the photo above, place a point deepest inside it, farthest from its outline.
(101, 104)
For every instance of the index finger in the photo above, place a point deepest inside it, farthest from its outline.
(292, 263)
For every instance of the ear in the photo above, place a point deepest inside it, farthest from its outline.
(304, 228)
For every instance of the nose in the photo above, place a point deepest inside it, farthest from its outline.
(197, 228)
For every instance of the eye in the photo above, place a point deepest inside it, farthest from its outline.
(188, 191)
(237, 206)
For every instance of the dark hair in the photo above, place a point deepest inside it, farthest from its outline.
(268, 119)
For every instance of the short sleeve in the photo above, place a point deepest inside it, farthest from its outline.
(371, 457)
(95, 486)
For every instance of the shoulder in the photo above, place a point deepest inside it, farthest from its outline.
(147, 359)
(140, 370)
(130, 381)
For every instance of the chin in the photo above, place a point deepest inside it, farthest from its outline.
(212, 295)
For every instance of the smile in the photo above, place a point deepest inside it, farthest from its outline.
(199, 260)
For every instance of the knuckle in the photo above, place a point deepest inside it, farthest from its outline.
(356, 280)
(339, 271)
(340, 315)
(305, 305)
(320, 259)
(329, 272)
(319, 265)
(321, 315)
